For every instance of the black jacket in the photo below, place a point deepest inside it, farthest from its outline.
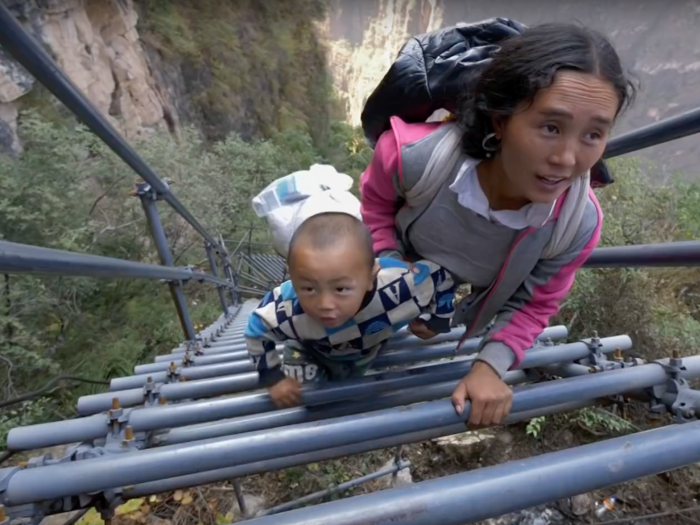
(428, 73)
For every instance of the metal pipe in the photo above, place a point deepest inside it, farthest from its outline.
(237, 330)
(298, 415)
(62, 480)
(24, 259)
(217, 386)
(257, 275)
(215, 271)
(405, 351)
(252, 291)
(204, 478)
(382, 382)
(253, 279)
(269, 269)
(166, 258)
(230, 277)
(385, 359)
(479, 494)
(185, 373)
(421, 376)
(390, 352)
(179, 352)
(28, 52)
(199, 360)
(666, 130)
(336, 489)
(253, 264)
(146, 419)
(229, 336)
(666, 255)
(239, 496)
(569, 370)
(235, 347)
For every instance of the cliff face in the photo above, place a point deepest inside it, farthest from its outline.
(256, 67)
(363, 39)
(97, 44)
(223, 66)
(658, 41)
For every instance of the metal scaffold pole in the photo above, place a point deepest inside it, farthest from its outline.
(148, 198)
(215, 272)
(481, 494)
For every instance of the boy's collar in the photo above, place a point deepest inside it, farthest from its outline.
(368, 296)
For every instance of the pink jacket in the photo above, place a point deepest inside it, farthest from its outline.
(520, 316)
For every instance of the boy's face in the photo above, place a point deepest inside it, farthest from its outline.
(331, 283)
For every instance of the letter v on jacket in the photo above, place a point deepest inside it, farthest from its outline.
(528, 288)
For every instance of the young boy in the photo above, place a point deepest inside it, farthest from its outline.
(340, 306)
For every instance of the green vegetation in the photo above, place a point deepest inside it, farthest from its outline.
(69, 191)
(658, 308)
(249, 65)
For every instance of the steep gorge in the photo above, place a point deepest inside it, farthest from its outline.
(223, 67)
(658, 41)
(257, 67)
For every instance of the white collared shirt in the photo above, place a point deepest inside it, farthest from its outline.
(471, 196)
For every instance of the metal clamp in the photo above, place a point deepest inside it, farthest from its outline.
(686, 405)
(5, 475)
(172, 374)
(596, 357)
(144, 189)
(150, 391)
(675, 396)
(115, 417)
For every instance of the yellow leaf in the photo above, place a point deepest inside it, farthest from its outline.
(178, 495)
(153, 499)
(187, 499)
(92, 517)
(313, 467)
(224, 520)
(129, 507)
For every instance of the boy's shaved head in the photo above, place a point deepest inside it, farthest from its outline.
(325, 230)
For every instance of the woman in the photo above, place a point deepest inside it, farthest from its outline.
(502, 197)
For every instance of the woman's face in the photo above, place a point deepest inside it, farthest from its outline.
(558, 137)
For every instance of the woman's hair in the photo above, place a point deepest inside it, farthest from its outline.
(529, 62)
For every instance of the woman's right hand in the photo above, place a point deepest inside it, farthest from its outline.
(286, 393)
(491, 399)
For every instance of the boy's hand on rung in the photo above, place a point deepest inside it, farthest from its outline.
(418, 328)
(286, 393)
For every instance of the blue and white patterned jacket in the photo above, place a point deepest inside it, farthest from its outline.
(399, 296)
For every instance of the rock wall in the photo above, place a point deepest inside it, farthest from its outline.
(223, 67)
(363, 39)
(96, 43)
(658, 41)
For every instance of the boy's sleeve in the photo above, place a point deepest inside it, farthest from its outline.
(436, 295)
(261, 337)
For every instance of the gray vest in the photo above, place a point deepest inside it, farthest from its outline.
(481, 306)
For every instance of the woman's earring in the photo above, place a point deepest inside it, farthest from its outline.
(489, 148)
